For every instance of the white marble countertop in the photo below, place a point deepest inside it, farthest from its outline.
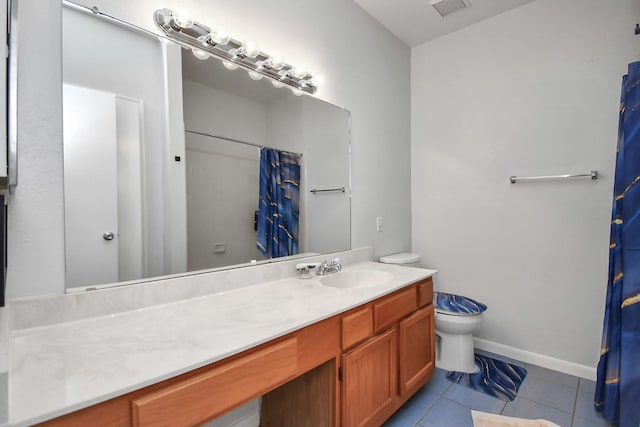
(60, 368)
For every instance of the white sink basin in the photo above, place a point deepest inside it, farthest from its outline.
(356, 279)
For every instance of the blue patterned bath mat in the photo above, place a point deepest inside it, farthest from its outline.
(495, 378)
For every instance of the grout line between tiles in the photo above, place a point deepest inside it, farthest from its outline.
(547, 406)
(575, 404)
(440, 396)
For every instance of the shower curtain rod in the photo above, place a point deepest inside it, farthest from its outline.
(239, 141)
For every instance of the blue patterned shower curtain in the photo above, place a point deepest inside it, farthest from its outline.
(617, 393)
(278, 208)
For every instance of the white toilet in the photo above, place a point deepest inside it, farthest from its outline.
(456, 318)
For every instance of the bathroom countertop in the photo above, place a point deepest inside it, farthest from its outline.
(64, 367)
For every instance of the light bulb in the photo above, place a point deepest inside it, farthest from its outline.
(200, 54)
(219, 35)
(299, 72)
(229, 65)
(254, 75)
(315, 81)
(277, 84)
(296, 92)
(276, 62)
(250, 49)
(204, 40)
(182, 21)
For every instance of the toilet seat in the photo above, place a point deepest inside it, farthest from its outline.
(456, 319)
(452, 314)
(457, 305)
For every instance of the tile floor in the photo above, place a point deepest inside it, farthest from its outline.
(563, 399)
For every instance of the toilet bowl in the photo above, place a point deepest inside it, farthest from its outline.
(456, 318)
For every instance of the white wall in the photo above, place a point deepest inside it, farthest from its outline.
(219, 170)
(35, 229)
(534, 91)
(216, 112)
(222, 196)
(326, 149)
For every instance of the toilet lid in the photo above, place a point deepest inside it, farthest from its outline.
(457, 304)
(401, 258)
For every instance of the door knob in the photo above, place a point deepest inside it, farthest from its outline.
(108, 235)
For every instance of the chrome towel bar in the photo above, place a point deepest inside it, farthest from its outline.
(328, 190)
(513, 179)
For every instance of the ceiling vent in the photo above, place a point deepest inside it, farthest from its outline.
(447, 7)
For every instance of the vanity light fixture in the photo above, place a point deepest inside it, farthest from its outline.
(229, 65)
(275, 62)
(219, 35)
(183, 21)
(248, 49)
(254, 75)
(200, 54)
(216, 41)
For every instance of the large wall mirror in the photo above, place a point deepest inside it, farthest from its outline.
(162, 158)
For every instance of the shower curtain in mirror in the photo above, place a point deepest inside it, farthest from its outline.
(617, 393)
(278, 209)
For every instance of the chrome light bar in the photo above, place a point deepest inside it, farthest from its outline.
(232, 52)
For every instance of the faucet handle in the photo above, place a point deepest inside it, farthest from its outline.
(304, 268)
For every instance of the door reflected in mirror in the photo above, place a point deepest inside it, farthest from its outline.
(162, 159)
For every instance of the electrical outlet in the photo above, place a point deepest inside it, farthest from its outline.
(379, 224)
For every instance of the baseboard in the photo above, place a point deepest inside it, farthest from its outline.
(552, 363)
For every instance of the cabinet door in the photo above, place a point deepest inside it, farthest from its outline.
(416, 347)
(370, 381)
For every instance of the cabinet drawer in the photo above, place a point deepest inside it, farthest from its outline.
(394, 307)
(210, 394)
(356, 327)
(425, 292)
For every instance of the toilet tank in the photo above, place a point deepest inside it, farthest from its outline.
(403, 258)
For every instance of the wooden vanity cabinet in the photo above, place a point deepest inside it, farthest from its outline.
(353, 369)
(382, 373)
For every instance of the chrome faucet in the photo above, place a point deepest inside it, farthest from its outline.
(328, 267)
(303, 269)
